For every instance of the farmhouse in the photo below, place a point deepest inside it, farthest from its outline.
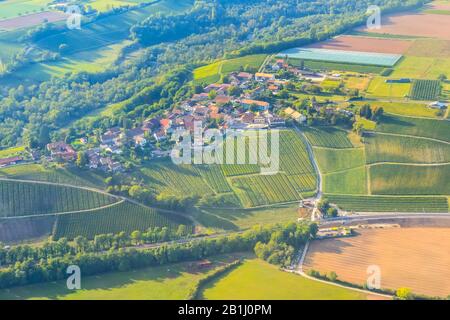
(9, 161)
(264, 76)
(61, 150)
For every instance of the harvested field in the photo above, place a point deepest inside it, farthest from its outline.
(32, 20)
(415, 24)
(404, 261)
(365, 44)
(430, 48)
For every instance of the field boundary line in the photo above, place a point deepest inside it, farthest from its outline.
(409, 164)
(64, 212)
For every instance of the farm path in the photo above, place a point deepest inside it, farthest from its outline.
(120, 198)
(313, 160)
(410, 164)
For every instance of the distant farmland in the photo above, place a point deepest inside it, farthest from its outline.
(341, 56)
(415, 258)
(32, 20)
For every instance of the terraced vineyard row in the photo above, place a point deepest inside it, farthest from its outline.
(389, 204)
(21, 199)
(179, 180)
(328, 137)
(264, 190)
(214, 177)
(426, 89)
(124, 216)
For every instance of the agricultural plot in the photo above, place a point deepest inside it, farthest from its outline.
(334, 66)
(415, 258)
(258, 280)
(263, 190)
(379, 88)
(416, 24)
(404, 108)
(214, 177)
(351, 181)
(31, 20)
(120, 217)
(364, 44)
(435, 129)
(24, 199)
(341, 56)
(387, 148)
(422, 67)
(167, 177)
(212, 73)
(332, 160)
(328, 137)
(425, 90)
(70, 175)
(389, 203)
(20, 229)
(392, 179)
(10, 9)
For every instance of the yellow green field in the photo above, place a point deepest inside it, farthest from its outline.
(379, 88)
(422, 68)
(403, 108)
(257, 280)
(352, 181)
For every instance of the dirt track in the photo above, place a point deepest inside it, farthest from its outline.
(416, 258)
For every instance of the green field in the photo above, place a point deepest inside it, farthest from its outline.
(387, 148)
(333, 66)
(391, 179)
(328, 137)
(120, 217)
(258, 280)
(422, 67)
(425, 90)
(212, 73)
(11, 152)
(230, 180)
(379, 88)
(436, 129)
(403, 108)
(170, 282)
(331, 160)
(389, 204)
(233, 219)
(65, 175)
(11, 9)
(24, 199)
(352, 181)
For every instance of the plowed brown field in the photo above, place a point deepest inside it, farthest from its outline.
(415, 24)
(415, 258)
(365, 44)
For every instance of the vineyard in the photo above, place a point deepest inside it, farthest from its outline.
(425, 89)
(23, 199)
(165, 176)
(123, 216)
(214, 177)
(387, 148)
(331, 160)
(393, 179)
(18, 229)
(263, 190)
(389, 204)
(352, 181)
(429, 128)
(328, 137)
